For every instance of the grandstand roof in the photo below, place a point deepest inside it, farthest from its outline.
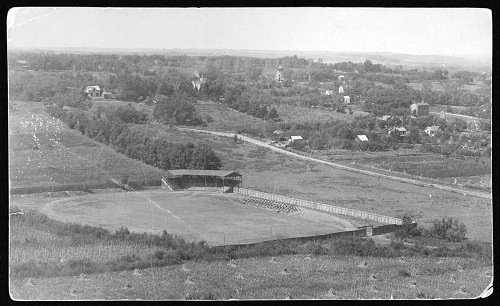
(217, 173)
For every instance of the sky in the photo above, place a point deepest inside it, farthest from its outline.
(430, 31)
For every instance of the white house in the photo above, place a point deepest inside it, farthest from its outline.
(329, 92)
(432, 130)
(341, 89)
(347, 99)
(93, 91)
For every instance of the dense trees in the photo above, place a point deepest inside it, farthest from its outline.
(125, 114)
(176, 110)
(135, 143)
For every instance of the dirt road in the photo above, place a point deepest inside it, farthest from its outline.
(380, 175)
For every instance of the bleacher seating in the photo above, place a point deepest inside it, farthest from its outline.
(275, 205)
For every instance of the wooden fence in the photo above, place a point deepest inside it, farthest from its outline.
(319, 206)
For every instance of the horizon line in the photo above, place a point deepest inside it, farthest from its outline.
(260, 50)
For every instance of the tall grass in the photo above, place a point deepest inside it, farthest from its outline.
(43, 247)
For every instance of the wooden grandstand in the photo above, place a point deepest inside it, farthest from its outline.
(209, 180)
(275, 205)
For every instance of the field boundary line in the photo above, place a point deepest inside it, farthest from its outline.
(379, 175)
(321, 206)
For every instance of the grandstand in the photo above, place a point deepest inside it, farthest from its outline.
(209, 180)
(275, 205)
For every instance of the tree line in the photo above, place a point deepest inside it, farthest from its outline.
(154, 151)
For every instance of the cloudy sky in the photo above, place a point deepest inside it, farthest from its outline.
(404, 30)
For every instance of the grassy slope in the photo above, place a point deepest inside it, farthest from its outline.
(225, 118)
(81, 160)
(257, 278)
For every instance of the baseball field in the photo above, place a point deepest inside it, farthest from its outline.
(195, 215)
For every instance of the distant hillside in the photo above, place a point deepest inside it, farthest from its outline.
(478, 63)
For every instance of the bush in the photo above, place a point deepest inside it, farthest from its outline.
(449, 229)
(409, 230)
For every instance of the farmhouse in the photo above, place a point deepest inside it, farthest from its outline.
(400, 131)
(218, 180)
(279, 74)
(360, 138)
(93, 91)
(419, 109)
(347, 99)
(341, 89)
(432, 130)
(329, 92)
(197, 84)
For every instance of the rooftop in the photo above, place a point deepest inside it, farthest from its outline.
(433, 128)
(217, 173)
(92, 87)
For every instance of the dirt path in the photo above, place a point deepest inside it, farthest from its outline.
(395, 178)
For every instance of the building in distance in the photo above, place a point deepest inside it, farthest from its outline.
(432, 130)
(419, 109)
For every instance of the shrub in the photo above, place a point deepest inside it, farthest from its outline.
(449, 229)
(408, 230)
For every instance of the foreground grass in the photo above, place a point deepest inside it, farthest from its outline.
(43, 247)
(289, 276)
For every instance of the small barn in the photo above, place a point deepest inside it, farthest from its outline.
(296, 142)
(108, 95)
(400, 131)
(361, 138)
(419, 109)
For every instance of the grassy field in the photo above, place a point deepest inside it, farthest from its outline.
(467, 171)
(116, 103)
(216, 218)
(290, 276)
(301, 114)
(63, 156)
(436, 86)
(225, 118)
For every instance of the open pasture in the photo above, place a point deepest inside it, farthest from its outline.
(216, 218)
(225, 118)
(302, 114)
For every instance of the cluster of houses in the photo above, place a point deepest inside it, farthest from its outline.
(345, 98)
(97, 92)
